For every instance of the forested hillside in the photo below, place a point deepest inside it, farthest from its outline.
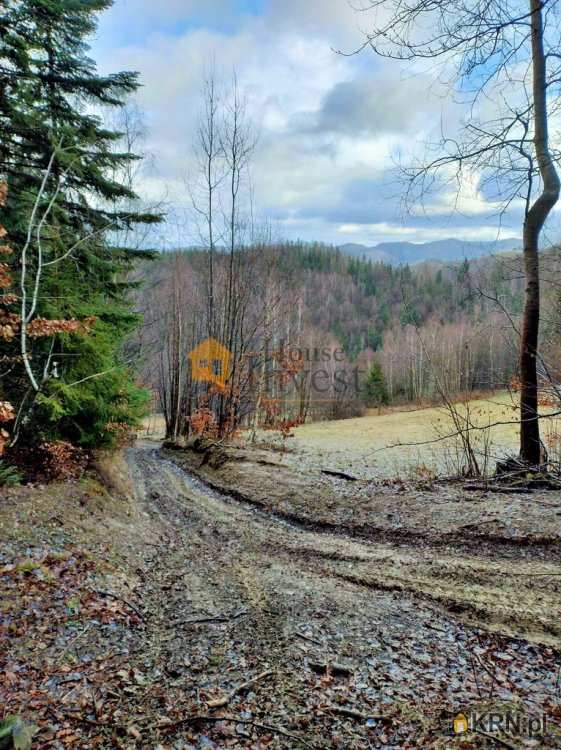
(448, 250)
(431, 327)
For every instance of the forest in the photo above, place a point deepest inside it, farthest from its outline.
(259, 490)
(408, 324)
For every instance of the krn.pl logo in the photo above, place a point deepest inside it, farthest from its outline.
(460, 724)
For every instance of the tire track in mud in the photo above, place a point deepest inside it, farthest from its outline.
(308, 596)
(498, 592)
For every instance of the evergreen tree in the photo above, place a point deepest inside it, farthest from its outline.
(51, 99)
(376, 389)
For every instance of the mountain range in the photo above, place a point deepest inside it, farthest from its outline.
(399, 253)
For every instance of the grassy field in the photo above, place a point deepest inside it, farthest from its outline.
(402, 442)
(399, 443)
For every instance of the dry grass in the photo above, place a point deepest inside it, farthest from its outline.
(153, 427)
(400, 442)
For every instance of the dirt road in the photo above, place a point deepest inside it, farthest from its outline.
(179, 618)
(236, 593)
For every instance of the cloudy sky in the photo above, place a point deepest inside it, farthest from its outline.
(331, 127)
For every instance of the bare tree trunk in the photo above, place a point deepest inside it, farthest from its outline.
(238, 144)
(203, 190)
(209, 140)
(530, 446)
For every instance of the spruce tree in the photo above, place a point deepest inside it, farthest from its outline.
(376, 389)
(51, 102)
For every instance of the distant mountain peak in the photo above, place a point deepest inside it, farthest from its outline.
(398, 253)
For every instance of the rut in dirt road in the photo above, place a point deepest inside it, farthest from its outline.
(235, 594)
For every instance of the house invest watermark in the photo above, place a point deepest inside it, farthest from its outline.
(325, 370)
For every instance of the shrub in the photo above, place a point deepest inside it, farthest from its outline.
(50, 461)
(9, 476)
(62, 461)
(376, 390)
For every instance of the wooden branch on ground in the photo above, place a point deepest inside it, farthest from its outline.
(488, 671)
(309, 638)
(233, 719)
(225, 699)
(211, 618)
(352, 713)
(339, 475)
(516, 490)
(498, 740)
(118, 598)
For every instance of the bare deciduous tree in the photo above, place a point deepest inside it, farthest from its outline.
(504, 60)
(205, 184)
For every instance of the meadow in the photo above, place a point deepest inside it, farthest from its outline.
(403, 442)
(413, 443)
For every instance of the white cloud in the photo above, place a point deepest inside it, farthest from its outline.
(370, 234)
(329, 124)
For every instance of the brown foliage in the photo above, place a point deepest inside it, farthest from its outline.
(203, 422)
(7, 414)
(275, 421)
(62, 460)
(41, 327)
(6, 411)
(6, 279)
(9, 325)
(50, 461)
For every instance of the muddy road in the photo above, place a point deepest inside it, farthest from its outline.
(187, 601)
(281, 636)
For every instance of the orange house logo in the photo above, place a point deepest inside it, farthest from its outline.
(210, 362)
